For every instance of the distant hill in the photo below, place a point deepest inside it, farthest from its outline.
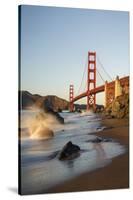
(28, 101)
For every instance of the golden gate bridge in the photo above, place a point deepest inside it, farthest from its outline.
(112, 89)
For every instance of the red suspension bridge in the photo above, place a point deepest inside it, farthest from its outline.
(112, 89)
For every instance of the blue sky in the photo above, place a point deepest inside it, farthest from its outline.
(55, 42)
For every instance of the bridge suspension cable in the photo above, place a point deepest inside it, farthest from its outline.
(83, 76)
(104, 68)
(84, 72)
(100, 75)
(85, 69)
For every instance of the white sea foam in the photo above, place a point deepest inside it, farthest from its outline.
(41, 169)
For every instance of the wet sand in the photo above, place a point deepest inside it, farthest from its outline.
(113, 176)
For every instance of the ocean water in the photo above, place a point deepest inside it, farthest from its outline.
(40, 167)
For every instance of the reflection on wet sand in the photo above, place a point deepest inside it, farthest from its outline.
(100, 152)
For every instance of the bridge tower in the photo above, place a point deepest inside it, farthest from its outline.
(91, 79)
(71, 96)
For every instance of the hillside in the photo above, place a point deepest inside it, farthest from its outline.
(28, 101)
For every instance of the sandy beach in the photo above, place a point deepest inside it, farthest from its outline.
(113, 176)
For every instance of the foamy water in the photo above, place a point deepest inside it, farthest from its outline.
(40, 167)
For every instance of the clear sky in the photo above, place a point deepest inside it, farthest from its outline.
(55, 42)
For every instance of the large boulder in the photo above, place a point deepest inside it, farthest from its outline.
(69, 151)
(39, 131)
(50, 111)
(39, 127)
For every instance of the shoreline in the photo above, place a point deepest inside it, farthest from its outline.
(112, 176)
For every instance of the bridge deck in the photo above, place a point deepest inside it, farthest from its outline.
(98, 89)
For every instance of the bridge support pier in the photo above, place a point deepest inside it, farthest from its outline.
(112, 90)
(91, 82)
(71, 96)
(118, 88)
(109, 92)
(105, 90)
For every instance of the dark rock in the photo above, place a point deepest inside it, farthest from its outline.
(99, 128)
(55, 114)
(59, 110)
(97, 140)
(107, 128)
(79, 111)
(69, 151)
(100, 139)
(107, 140)
(80, 106)
(98, 108)
(104, 128)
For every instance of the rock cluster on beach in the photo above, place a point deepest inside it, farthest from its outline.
(48, 107)
(119, 108)
(99, 140)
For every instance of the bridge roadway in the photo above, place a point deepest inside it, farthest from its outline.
(97, 89)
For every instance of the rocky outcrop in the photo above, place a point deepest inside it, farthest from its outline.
(41, 132)
(41, 116)
(119, 108)
(50, 111)
(100, 139)
(29, 100)
(38, 127)
(99, 108)
(80, 107)
(69, 151)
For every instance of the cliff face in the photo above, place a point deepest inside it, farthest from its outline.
(29, 100)
(52, 101)
(119, 108)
